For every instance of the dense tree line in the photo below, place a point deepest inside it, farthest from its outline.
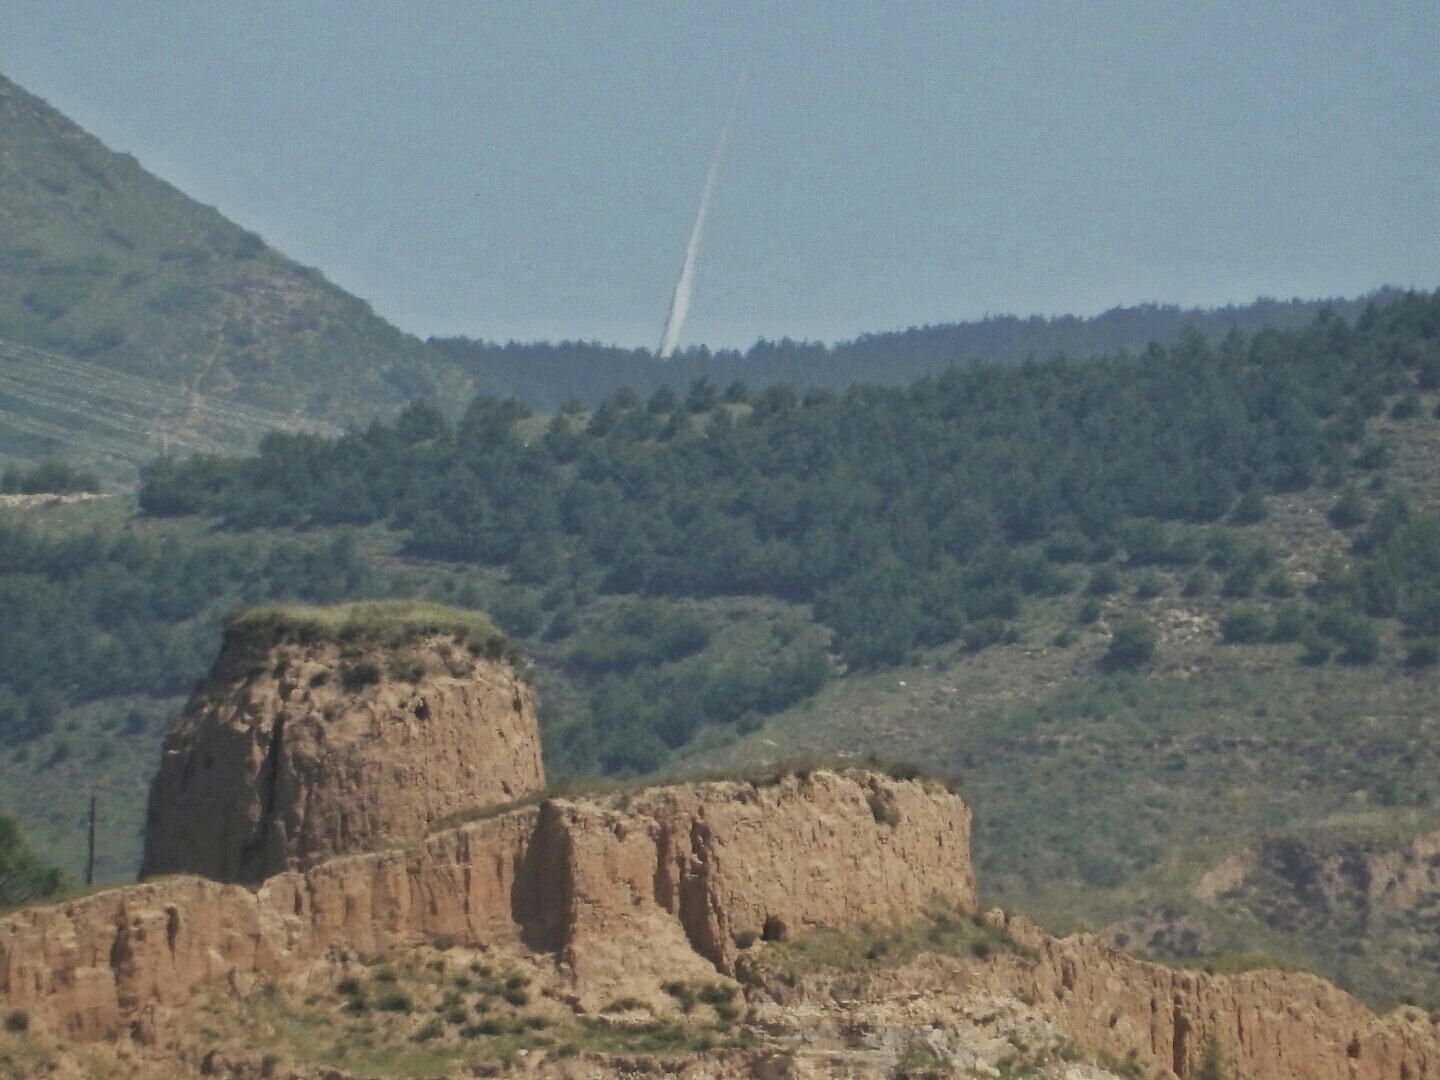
(906, 516)
(95, 614)
(546, 375)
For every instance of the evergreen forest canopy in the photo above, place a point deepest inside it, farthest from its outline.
(547, 376)
(906, 517)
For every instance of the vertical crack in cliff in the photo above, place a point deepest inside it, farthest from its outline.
(1179, 1048)
(700, 916)
(252, 853)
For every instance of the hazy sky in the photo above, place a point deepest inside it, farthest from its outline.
(529, 170)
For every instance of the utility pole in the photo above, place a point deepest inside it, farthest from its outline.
(90, 851)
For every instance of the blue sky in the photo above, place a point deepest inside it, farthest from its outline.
(528, 170)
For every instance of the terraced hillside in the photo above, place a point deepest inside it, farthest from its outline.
(103, 263)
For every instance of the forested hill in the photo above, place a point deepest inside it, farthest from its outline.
(107, 270)
(907, 517)
(546, 375)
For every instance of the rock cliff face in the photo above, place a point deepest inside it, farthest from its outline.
(657, 886)
(617, 897)
(313, 739)
(1270, 1025)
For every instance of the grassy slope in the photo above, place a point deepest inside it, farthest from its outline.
(102, 262)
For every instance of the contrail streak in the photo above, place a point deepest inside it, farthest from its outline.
(685, 284)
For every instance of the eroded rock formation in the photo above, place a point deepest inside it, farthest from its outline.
(659, 885)
(621, 896)
(313, 739)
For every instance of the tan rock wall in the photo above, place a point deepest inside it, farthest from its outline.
(652, 888)
(289, 754)
(657, 886)
(1267, 1025)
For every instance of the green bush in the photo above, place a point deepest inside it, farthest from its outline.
(24, 878)
(1104, 581)
(1149, 586)
(1290, 623)
(1251, 509)
(1408, 406)
(1131, 645)
(1349, 508)
(1279, 585)
(1317, 648)
(1243, 625)
(1422, 654)
(1355, 635)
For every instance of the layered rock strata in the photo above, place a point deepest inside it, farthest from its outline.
(664, 883)
(310, 740)
(670, 883)
(1265, 1024)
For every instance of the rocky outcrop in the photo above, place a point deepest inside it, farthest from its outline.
(666, 882)
(1269, 1025)
(322, 732)
(671, 884)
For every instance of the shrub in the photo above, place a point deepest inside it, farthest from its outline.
(1407, 407)
(1243, 625)
(1289, 623)
(1088, 611)
(1279, 585)
(1422, 654)
(1104, 580)
(1197, 583)
(625, 1004)
(1251, 509)
(1317, 647)
(1353, 632)
(1349, 509)
(395, 1001)
(16, 1021)
(981, 635)
(1241, 580)
(360, 675)
(682, 993)
(1149, 586)
(1131, 645)
(1372, 456)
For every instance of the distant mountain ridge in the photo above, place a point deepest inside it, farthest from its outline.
(102, 262)
(546, 375)
(134, 320)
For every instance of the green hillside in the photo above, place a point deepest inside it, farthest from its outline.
(161, 314)
(1170, 614)
(1170, 618)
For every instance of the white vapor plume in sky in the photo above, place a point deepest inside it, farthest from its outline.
(685, 285)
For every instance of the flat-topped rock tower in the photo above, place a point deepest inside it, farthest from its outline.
(323, 731)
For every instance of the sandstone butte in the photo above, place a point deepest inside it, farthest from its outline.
(324, 731)
(607, 898)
